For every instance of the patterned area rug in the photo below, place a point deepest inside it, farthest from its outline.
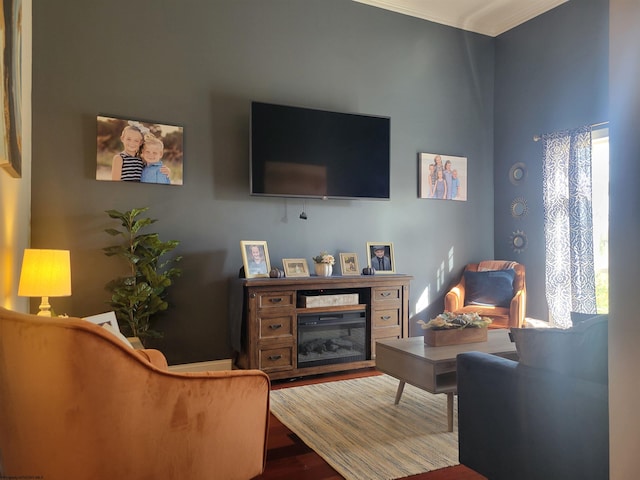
(356, 428)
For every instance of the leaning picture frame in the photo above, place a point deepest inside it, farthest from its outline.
(349, 264)
(380, 257)
(255, 258)
(105, 318)
(295, 267)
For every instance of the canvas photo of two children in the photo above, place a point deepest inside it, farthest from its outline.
(138, 151)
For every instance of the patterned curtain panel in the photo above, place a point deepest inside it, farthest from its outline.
(568, 224)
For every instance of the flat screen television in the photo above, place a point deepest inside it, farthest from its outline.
(309, 153)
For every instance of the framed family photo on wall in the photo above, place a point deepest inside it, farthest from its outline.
(255, 258)
(130, 150)
(442, 177)
(380, 257)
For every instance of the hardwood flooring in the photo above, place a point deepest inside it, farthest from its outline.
(288, 458)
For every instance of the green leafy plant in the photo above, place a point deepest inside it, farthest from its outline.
(136, 297)
(448, 321)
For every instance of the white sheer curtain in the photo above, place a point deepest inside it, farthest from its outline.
(568, 224)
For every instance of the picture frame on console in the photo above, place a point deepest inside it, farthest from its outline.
(380, 256)
(451, 184)
(349, 264)
(295, 267)
(255, 258)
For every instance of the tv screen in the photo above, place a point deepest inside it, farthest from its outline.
(303, 152)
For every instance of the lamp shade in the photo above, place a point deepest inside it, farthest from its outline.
(45, 273)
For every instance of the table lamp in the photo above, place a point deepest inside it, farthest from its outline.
(45, 273)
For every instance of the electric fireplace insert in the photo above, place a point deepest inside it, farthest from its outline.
(336, 337)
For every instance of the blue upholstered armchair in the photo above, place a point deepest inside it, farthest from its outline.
(543, 418)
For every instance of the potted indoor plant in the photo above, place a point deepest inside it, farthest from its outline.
(142, 292)
(452, 329)
(324, 264)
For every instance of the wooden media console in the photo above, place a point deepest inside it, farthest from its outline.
(271, 339)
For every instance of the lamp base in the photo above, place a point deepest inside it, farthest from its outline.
(45, 308)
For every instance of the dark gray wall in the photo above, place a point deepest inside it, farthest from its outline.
(551, 74)
(198, 63)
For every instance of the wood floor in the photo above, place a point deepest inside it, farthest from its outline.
(289, 458)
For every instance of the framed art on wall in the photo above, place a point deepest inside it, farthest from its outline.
(137, 151)
(442, 177)
(349, 264)
(295, 267)
(380, 257)
(11, 28)
(255, 258)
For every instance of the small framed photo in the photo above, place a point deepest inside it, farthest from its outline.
(442, 177)
(349, 264)
(255, 258)
(380, 256)
(295, 267)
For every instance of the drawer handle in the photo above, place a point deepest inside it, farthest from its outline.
(275, 357)
(385, 294)
(276, 300)
(385, 317)
(276, 326)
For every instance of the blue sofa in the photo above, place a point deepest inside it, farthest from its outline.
(523, 421)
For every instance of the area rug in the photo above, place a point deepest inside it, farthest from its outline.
(355, 426)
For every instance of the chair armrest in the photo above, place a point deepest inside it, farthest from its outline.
(517, 309)
(454, 299)
(154, 357)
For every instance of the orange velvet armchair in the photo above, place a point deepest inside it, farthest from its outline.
(502, 317)
(77, 403)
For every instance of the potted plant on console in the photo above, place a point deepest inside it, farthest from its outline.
(324, 264)
(453, 329)
(142, 293)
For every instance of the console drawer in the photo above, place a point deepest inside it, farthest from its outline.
(386, 294)
(382, 334)
(385, 318)
(275, 359)
(277, 327)
(276, 299)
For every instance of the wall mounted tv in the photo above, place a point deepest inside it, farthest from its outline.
(303, 152)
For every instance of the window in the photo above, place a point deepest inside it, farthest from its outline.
(600, 193)
(576, 218)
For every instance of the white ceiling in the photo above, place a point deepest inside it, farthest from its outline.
(489, 17)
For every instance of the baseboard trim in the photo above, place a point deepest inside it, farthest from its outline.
(212, 365)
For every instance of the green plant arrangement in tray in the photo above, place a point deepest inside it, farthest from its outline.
(136, 297)
(451, 329)
(448, 320)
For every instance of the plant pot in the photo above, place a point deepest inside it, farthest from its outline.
(454, 336)
(136, 343)
(324, 269)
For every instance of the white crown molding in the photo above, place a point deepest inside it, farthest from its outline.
(487, 17)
